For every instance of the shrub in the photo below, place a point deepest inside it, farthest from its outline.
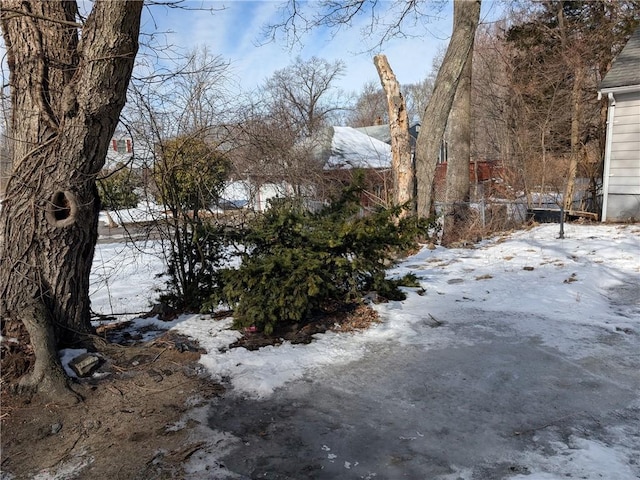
(189, 174)
(299, 262)
(194, 261)
(117, 188)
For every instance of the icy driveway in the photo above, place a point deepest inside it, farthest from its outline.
(487, 407)
(521, 360)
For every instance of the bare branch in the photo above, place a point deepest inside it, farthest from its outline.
(386, 20)
(24, 13)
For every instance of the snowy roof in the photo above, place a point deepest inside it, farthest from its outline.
(625, 71)
(381, 132)
(353, 149)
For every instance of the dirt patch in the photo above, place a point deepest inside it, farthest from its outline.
(349, 318)
(129, 426)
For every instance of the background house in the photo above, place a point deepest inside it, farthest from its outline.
(120, 150)
(336, 153)
(621, 175)
(253, 196)
(484, 175)
(347, 149)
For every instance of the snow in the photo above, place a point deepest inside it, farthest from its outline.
(237, 194)
(597, 268)
(146, 211)
(582, 457)
(125, 278)
(67, 469)
(68, 354)
(559, 289)
(353, 149)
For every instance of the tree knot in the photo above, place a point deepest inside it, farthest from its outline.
(62, 209)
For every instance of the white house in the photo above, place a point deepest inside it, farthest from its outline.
(621, 176)
(120, 150)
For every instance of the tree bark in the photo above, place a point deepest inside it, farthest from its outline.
(466, 15)
(457, 190)
(576, 120)
(401, 161)
(67, 92)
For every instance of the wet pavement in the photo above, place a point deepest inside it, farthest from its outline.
(484, 406)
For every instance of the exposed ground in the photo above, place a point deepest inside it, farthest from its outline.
(127, 427)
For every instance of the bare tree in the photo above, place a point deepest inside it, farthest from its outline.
(383, 20)
(492, 138)
(417, 97)
(466, 15)
(182, 127)
(271, 148)
(305, 91)
(285, 126)
(68, 85)
(401, 159)
(335, 14)
(560, 51)
(370, 107)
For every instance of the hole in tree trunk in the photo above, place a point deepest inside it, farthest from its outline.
(62, 209)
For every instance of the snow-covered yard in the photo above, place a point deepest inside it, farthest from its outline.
(517, 359)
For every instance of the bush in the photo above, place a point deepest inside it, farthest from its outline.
(300, 262)
(117, 189)
(189, 174)
(194, 262)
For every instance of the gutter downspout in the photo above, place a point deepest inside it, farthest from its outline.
(607, 155)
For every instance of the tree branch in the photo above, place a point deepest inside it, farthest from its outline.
(19, 13)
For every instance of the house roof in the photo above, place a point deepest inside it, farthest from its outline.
(351, 148)
(383, 132)
(625, 71)
(379, 132)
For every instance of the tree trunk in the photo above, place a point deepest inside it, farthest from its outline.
(67, 94)
(576, 118)
(466, 15)
(401, 161)
(456, 209)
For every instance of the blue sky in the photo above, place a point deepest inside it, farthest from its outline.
(234, 31)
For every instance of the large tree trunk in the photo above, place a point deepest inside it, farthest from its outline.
(457, 191)
(67, 94)
(466, 15)
(401, 161)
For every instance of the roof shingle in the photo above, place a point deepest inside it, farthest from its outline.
(625, 70)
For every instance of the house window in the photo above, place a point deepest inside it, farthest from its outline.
(122, 145)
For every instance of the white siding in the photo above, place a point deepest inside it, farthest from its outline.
(624, 169)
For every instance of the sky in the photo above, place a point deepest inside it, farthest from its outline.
(235, 31)
(574, 301)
